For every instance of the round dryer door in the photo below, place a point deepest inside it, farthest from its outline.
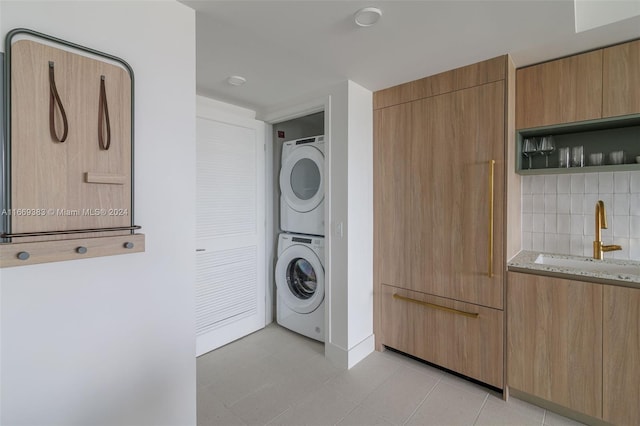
(302, 179)
(300, 279)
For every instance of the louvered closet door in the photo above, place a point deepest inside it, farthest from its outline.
(230, 287)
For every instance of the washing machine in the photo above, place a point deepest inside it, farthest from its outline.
(299, 278)
(302, 186)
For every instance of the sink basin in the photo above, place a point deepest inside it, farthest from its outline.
(588, 264)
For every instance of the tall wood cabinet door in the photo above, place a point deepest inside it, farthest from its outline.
(621, 353)
(560, 91)
(621, 79)
(554, 340)
(392, 197)
(457, 136)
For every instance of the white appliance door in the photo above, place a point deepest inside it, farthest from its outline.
(302, 179)
(300, 279)
(230, 232)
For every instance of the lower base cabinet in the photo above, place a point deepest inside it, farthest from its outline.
(462, 337)
(621, 354)
(554, 340)
(575, 344)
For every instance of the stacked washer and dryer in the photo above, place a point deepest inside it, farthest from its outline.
(299, 272)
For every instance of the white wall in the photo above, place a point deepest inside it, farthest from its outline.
(111, 340)
(348, 255)
(558, 212)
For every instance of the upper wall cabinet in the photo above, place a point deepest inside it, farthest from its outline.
(621, 79)
(560, 91)
(600, 84)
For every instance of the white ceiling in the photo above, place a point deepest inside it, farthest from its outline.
(286, 49)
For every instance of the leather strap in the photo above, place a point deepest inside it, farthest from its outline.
(54, 99)
(103, 114)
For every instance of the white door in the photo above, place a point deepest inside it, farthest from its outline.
(230, 231)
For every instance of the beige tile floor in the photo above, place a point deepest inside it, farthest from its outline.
(277, 377)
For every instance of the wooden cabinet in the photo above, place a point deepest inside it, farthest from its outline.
(460, 336)
(621, 79)
(599, 84)
(554, 340)
(560, 91)
(621, 355)
(439, 215)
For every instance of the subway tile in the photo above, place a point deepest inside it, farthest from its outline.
(577, 183)
(620, 226)
(527, 203)
(587, 246)
(607, 199)
(634, 181)
(563, 224)
(577, 201)
(588, 226)
(550, 223)
(605, 183)
(564, 203)
(577, 225)
(527, 241)
(537, 184)
(564, 184)
(550, 184)
(634, 204)
(538, 222)
(564, 246)
(550, 203)
(527, 222)
(575, 244)
(621, 182)
(634, 248)
(537, 241)
(538, 203)
(607, 234)
(620, 204)
(550, 243)
(591, 183)
(634, 226)
(527, 182)
(589, 203)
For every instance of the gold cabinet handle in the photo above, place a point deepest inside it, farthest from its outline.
(438, 307)
(492, 164)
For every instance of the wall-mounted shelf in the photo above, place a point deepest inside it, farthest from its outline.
(602, 135)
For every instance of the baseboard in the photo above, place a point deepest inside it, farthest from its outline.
(348, 358)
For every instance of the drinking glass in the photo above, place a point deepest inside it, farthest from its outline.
(577, 156)
(529, 148)
(563, 157)
(547, 146)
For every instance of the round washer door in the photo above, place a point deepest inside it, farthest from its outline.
(300, 279)
(302, 179)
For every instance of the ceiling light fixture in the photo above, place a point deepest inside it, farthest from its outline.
(236, 80)
(367, 16)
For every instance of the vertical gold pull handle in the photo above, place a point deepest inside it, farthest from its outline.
(492, 164)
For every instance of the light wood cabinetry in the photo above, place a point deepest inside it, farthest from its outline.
(439, 216)
(621, 79)
(560, 91)
(462, 337)
(554, 340)
(621, 354)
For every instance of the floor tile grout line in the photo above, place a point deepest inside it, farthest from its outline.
(421, 402)
(486, 398)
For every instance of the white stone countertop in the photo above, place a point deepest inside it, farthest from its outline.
(608, 271)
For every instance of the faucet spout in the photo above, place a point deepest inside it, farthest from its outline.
(601, 223)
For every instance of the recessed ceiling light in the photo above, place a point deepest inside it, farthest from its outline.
(236, 80)
(367, 16)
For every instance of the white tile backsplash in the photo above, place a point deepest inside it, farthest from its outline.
(558, 212)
